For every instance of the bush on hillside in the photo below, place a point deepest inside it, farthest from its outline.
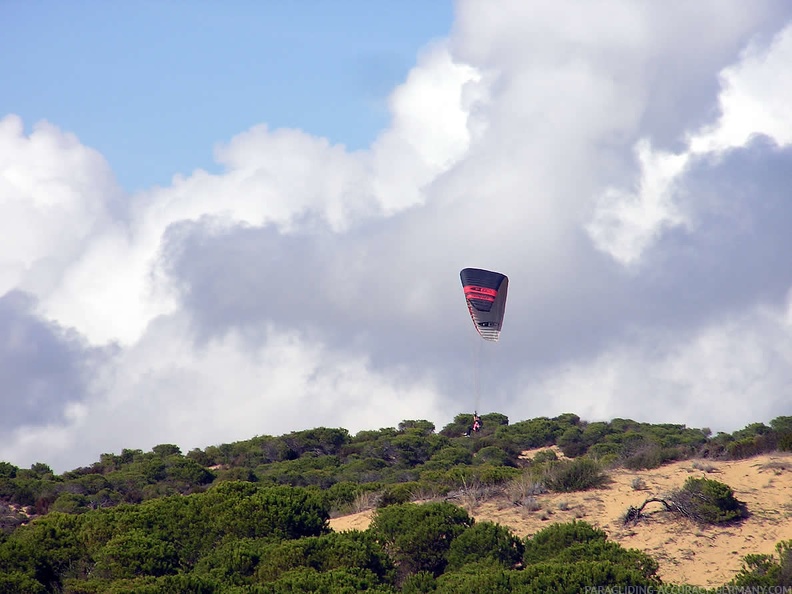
(708, 501)
(579, 474)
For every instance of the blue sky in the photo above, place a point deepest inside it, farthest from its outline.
(154, 85)
(627, 165)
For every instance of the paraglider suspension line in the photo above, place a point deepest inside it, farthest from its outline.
(477, 374)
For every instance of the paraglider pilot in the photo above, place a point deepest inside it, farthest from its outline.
(476, 425)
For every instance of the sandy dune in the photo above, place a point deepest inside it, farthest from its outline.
(687, 553)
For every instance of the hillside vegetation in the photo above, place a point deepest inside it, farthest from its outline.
(254, 516)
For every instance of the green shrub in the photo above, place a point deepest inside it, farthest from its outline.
(346, 550)
(535, 433)
(544, 456)
(17, 581)
(605, 448)
(751, 446)
(708, 501)
(492, 455)
(766, 571)
(602, 550)
(70, 503)
(551, 541)
(136, 553)
(448, 457)
(650, 456)
(572, 443)
(399, 493)
(486, 541)
(422, 582)
(543, 578)
(8, 470)
(417, 537)
(580, 474)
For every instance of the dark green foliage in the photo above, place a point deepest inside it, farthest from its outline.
(448, 457)
(396, 494)
(766, 571)
(8, 470)
(332, 551)
(422, 582)
(482, 474)
(309, 469)
(751, 446)
(20, 583)
(549, 542)
(605, 449)
(544, 457)
(458, 427)
(213, 520)
(234, 561)
(649, 455)
(485, 542)
(782, 427)
(567, 419)
(708, 501)
(169, 584)
(418, 537)
(412, 452)
(599, 550)
(307, 580)
(477, 578)
(752, 430)
(70, 503)
(422, 427)
(342, 495)
(580, 474)
(413, 448)
(493, 420)
(134, 553)
(571, 442)
(320, 441)
(782, 424)
(493, 455)
(45, 550)
(281, 512)
(577, 555)
(754, 439)
(531, 434)
(237, 473)
(595, 432)
(158, 537)
(541, 578)
(41, 471)
(166, 449)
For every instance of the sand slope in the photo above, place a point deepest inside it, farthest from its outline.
(687, 553)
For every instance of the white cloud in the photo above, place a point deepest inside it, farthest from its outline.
(309, 285)
(164, 389)
(429, 131)
(753, 101)
(53, 197)
(733, 371)
(626, 223)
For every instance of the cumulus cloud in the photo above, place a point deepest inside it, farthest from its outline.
(46, 369)
(733, 371)
(752, 103)
(54, 195)
(625, 163)
(232, 385)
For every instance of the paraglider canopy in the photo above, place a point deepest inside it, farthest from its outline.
(485, 293)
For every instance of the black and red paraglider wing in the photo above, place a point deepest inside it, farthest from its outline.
(485, 293)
